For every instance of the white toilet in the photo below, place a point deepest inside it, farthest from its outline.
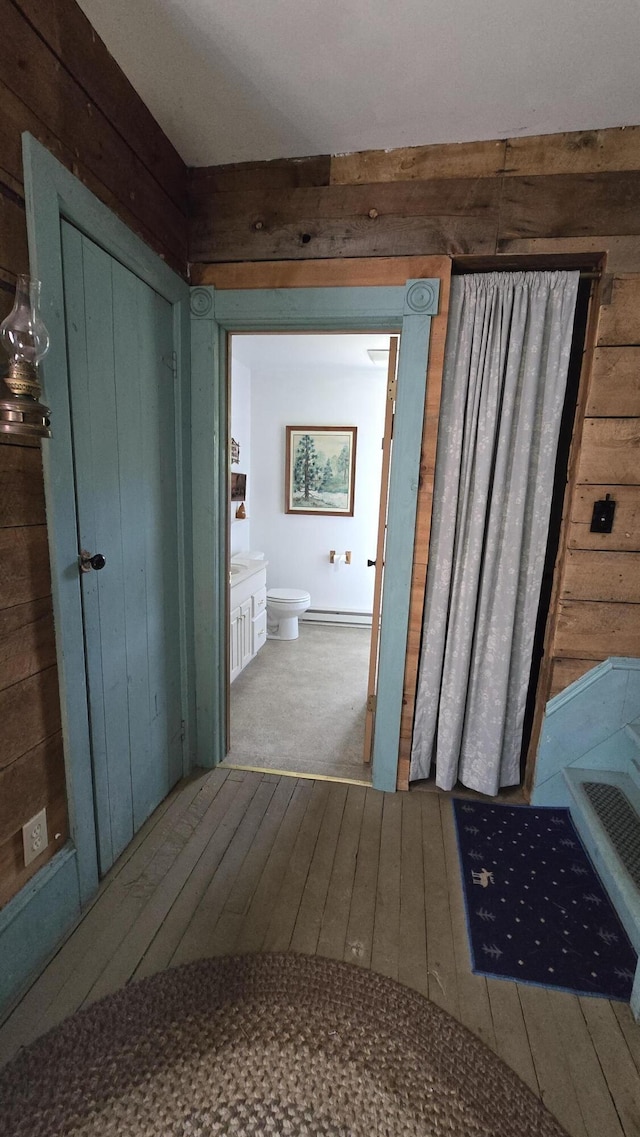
(284, 605)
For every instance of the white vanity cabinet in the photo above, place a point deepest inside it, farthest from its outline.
(248, 605)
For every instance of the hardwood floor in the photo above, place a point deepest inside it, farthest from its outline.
(238, 861)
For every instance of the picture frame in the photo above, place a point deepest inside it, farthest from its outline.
(238, 486)
(320, 470)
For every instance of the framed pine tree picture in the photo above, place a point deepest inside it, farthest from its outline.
(320, 470)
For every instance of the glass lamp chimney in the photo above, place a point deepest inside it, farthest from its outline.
(26, 340)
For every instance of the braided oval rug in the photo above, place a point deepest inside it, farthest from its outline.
(265, 1044)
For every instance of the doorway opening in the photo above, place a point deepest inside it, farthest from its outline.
(567, 428)
(557, 478)
(306, 423)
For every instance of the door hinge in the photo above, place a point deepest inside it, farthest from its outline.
(183, 730)
(371, 703)
(171, 361)
(392, 389)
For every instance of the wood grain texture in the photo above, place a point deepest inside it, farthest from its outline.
(158, 846)
(564, 205)
(333, 932)
(350, 271)
(35, 75)
(412, 956)
(27, 642)
(550, 1059)
(541, 179)
(13, 873)
(24, 565)
(596, 630)
(14, 254)
(383, 219)
(408, 163)
(622, 254)
(443, 987)
(70, 36)
(566, 671)
(610, 448)
(29, 712)
(15, 117)
(615, 1060)
(205, 850)
(385, 953)
(21, 486)
(422, 529)
(593, 575)
(575, 152)
(279, 174)
(578, 1056)
(548, 651)
(355, 236)
(615, 383)
(473, 992)
(29, 783)
(626, 523)
(620, 318)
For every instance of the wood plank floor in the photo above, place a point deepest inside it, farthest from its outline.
(238, 861)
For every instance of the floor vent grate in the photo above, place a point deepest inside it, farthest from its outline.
(620, 822)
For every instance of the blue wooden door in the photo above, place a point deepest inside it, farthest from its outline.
(121, 381)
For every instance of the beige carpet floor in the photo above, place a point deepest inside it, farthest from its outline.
(299, 706)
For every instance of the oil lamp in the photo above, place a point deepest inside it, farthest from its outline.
(26, 341)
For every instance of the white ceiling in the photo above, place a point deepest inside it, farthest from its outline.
(242, 80)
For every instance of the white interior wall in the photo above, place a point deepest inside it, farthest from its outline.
(240, 531)
(293, 386)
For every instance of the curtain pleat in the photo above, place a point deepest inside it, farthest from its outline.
(505, 373)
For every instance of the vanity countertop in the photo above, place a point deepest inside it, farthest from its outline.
(243, 568)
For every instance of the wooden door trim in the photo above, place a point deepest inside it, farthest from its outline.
(373, 271)
(372, 681)
(546, 667)
(351, 271)
(217, 310)
(423, 528)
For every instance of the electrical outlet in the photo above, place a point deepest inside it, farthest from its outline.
(34, 836)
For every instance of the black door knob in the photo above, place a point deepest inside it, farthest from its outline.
(370, 564)
(88, 562)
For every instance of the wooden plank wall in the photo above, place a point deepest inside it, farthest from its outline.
(598, 613)
(58, 82)
(553, 193)
(566, 195)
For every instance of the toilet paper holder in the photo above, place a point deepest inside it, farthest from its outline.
(333, 556)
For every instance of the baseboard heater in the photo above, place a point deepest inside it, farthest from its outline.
(352, 619)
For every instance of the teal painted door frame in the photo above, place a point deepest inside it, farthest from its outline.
(216, 313)
(31, 924)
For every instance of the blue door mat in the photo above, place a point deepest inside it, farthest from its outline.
(536, 910)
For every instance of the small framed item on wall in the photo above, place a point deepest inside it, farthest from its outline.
(320, 470)
(238, 487)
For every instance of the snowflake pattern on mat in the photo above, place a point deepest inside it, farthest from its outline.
(550, 921)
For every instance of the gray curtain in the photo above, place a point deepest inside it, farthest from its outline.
(505, 372)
